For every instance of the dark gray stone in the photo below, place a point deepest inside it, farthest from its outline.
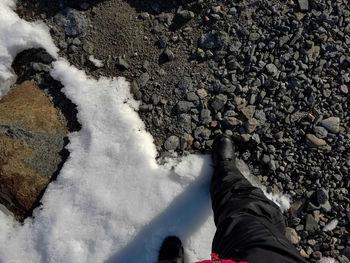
(172, 143)
(331, 124)
(184, 106)
(121, 63)
(320, 132)
(303, 5)
(219, 102)
(205, 116)
(310, 223)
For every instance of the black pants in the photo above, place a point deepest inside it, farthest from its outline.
(250, 227)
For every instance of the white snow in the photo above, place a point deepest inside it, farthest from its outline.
(17, 35)
(111, 201)
(97, 62)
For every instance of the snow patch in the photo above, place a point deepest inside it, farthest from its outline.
(17, 35)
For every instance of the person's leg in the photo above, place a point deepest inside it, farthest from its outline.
(249, 226)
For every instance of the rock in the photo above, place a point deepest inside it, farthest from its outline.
(248, 111)
(185, 122)
(310, 223)
(303, 5)
(313, 53)
(172, 143)
(320, 132)
(185, 14)
(41, 67)
(331, 225)
(75, 23)
(292, 235)
(344, 89)
(32, 136)
(184, 106)
(251, 125)
(213, 40)
(314, 142)
(168, 55)
(205, 116)
(121, 63)
(191, 96)
(331, 124)
(219, 102)
(202, 93)
(272, 69)
(143, 79)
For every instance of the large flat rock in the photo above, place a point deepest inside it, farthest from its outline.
(32, 135)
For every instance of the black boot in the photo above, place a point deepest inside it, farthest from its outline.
(171, 250)
(223, 149)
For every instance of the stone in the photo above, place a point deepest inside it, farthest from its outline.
(184, 106)
(143, 79)
(202, 93)
(248, 111)
(320, 132)
(185, 14)
(75, 23)
(185, 122)
(191, 96)
(32, 136)
(292, 235)
(251, 125)
(303, 5)
(310, 223)
(313, 53)
(205, 116)
(344, 88)
(172, 143)
(168, 54)
(219, 102)
(314, 142)
(272, 69)
(121, 63)
(331, 124)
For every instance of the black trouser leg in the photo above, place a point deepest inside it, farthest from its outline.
(249, 226)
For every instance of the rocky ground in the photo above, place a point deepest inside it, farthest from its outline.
(273, 74)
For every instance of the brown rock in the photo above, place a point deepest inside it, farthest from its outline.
(248, 111)
(292, 235)
(31, 138)
(20, 184)
(27, 107)
(314, 142)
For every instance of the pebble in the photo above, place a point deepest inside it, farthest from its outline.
(320, 132)
(344, 89)
(314, 142)
(331, 124)
(303, 5)
(121, 63)
(184, 106)
(168, 54)
(310, 223)
(272, 69)
(292, 235)
(185, 14)
(219, 102)
(251, 125)
(143, 79)
(206, 116)
(172, 143)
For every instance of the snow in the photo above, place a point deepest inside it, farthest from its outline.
(98, 63)
(111, 201)
(17, 35)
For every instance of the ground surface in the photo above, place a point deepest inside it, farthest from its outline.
(273, 74)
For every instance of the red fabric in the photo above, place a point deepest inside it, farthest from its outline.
(215, 259)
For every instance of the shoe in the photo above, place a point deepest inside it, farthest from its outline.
(223, 149)
(171, 250)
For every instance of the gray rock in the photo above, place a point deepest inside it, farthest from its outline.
(185, 14)
(184, 106)
(76, 23)
(40, 67)
(205, 116)
(213, 40)
(292, 235)
(310, 223)
(331, 124)
(272, 69)
(168, 54)
(303, 5)
(344, 89)
(172, 143)
(320, 132)
(191, 96)
(343, 259)
(143, 79)
(219, 102)
(185, 122)
(121, 63)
